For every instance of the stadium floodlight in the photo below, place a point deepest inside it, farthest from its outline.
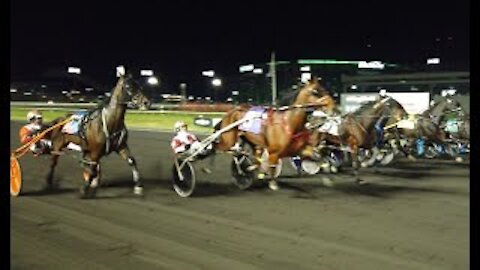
(74, 70)
(354, 86)
(208, 98)
(146, 72)
(216, 82)
(258, 71)
(152, 80)
(305, 68)
(208, 73)
(191, 97)
(433, 61)
(88, 89)
(13, 90)
(371, 64)
(235, 93)
(245, 68)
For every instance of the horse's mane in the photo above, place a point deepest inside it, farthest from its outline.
(289, 98)
(365, 106)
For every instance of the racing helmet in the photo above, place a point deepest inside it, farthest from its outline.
(383, 93)
(178, 125)
(34, 114)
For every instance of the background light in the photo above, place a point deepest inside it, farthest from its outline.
(216, 82)
(433, 61)
(146, 72)
(258, 71)
(74, 70)
(152, 80)
(208, 73)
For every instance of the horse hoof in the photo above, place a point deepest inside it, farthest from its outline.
(334, 169)
(459, 159)
(412, 158)
(273, 185)
(364, 164)
(49, 187)
(260, 176)
(138, 191)
(327, 182)
(361, 182)
(87, 192)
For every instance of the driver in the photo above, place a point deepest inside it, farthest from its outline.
(185, 143)
(382, 120)
(28, 132)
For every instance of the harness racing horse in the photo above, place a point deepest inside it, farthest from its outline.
(103, 133)
(283, 133)
(357, 128)
(428, 125)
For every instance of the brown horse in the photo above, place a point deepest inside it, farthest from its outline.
(428, 125)
(283, 133)
(357, 128)
(104, 132)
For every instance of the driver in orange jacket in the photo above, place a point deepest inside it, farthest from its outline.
(28, 131)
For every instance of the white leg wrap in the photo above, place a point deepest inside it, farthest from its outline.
(136, 176)
(74, 147)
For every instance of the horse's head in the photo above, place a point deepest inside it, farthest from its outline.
(395, 109)
(445, 105)
(314, 94)
(134, 92)
(452, 105)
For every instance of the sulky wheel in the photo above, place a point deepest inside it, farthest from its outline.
(15, 177)
(242, 172)
(184, 180)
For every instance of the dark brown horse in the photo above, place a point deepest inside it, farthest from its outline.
(104, 132)
(283, 133)
(428, 125)
(357, 128)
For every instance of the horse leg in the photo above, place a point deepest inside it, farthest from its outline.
(273, 161)
(354, 156)
(126, 155)
(49, 179)
(57, 145)
(91, 176)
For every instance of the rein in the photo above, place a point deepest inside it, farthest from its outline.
(24, 148)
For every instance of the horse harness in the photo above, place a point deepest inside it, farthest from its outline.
(116, 137)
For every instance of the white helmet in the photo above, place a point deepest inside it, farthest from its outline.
(383, 93)
(33, 114)
(178, 125)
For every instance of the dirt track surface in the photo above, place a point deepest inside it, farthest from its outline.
(410, 216)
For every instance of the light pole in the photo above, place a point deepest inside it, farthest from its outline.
(273, 74)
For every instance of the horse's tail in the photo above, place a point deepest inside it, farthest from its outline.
(217, 126)
(230, 116)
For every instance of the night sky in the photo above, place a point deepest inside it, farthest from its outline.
(182, 38)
